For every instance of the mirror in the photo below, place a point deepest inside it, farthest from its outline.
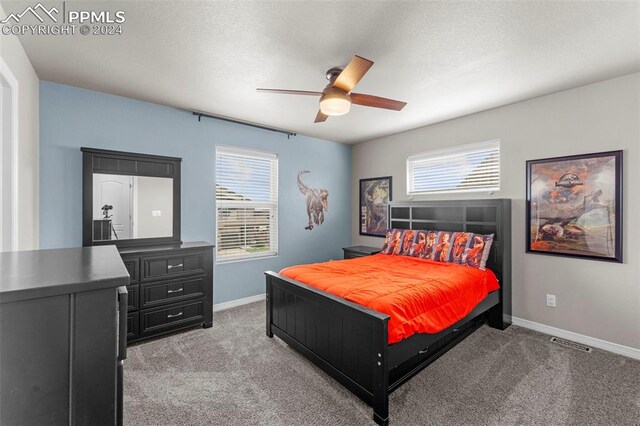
(130, 199)
(126, 207)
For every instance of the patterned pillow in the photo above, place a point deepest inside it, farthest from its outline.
(393, 242)
(424, 244)
(407, 242)
(470, 249)
(463, 248)
(442, 250)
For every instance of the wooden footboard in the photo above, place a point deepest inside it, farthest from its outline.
(350, 342)
(346, 340)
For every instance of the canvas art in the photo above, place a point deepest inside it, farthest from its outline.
(316, 200)
(574, 206)
(375, 194)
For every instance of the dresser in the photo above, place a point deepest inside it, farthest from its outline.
(170, 288)
(62, 345)
(132, 201)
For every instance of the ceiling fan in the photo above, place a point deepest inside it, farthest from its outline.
(336, 98)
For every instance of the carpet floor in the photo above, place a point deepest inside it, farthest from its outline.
(232, 374)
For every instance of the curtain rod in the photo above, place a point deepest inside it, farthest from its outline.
(245, 123)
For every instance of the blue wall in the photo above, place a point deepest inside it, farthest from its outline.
(71, 118)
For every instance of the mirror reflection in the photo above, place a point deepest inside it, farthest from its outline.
(126, 207)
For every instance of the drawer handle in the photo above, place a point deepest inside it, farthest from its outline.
(175, 315)
(179, 265)
(174, 291)
(424, 351)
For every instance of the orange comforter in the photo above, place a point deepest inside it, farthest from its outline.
(420, 296)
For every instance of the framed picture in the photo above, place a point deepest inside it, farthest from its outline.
(574, 206)
(375, 194)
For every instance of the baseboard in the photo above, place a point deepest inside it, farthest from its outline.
(239, 302)
(579, 338)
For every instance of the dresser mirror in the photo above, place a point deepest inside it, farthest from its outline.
(130, 199)
(128, 206)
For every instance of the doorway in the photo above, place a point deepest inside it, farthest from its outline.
(116, 192)
(8, 160)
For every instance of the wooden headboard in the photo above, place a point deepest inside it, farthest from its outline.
(490, 216)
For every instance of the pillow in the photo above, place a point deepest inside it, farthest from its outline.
(398, 242)
(442, 250)
(393, 241)
(423, 244)
(463, 248)
(470, 249)
(407, 242)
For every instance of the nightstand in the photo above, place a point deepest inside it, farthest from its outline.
(359, 251)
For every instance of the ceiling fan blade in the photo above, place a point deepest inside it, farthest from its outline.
(289, 92)
(351, 75)
(320, 117)
(376, 101)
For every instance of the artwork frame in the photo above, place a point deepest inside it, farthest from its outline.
(578, 223)
(366, 188)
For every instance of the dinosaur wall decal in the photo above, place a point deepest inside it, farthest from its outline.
(317, 200)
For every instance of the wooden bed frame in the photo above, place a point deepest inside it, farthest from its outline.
(349, 342)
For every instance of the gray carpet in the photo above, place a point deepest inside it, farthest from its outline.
(232, 374)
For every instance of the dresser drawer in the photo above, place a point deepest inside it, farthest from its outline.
(172, 291)
(133, 324)
(133, 267)
(133, 298)
(168, 318)
(154, 268)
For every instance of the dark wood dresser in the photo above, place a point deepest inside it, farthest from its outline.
(62, 340)
(171, 288)
(132, 200)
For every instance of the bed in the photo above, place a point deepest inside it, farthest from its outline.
(350, 342)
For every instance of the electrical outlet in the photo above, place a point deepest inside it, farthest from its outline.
(551, 300)
(156, 213)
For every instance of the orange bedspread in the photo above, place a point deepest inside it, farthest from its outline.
(420, 296)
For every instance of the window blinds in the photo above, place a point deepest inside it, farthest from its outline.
(246, 204)
(474, 167)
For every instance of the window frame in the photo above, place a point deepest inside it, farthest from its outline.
(273, 205)
(459, 150)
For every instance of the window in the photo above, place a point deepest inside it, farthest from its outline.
(474, 167)
(246, 204)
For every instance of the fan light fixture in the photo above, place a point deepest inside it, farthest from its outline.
(337, 97)
(335, 102)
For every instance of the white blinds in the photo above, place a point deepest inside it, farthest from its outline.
(246, 204)
(474, 167)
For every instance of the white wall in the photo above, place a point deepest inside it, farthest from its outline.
(597, 299)
(13, 55)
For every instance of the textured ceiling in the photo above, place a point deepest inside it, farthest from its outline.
(446, 59)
